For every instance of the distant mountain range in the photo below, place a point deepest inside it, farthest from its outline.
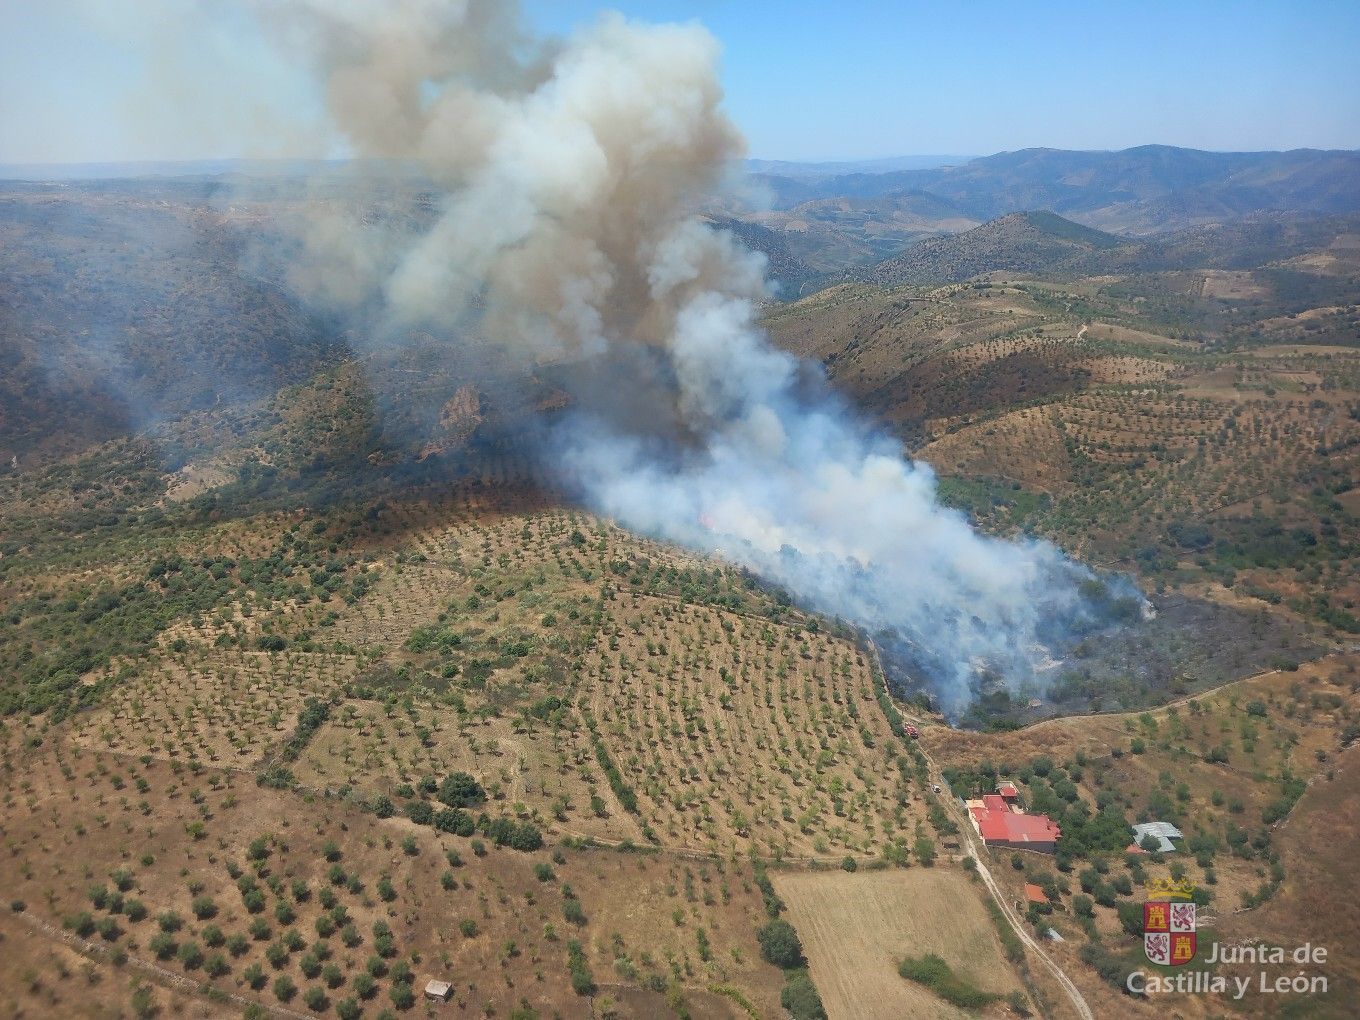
(790, 168)
(879, 219)
(1142, 190)
(833, 223)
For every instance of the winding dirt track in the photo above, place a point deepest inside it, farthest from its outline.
(1017, 925)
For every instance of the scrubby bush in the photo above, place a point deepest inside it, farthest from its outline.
(780, 945)
(799, 996)
(204, 907)
(931, 971)
(460, 790)
(402, 996)
(284, 989)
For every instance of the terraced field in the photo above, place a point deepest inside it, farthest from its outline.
(742, 734)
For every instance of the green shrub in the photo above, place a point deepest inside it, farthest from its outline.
(460, 790)
(932, 972)
(402, 996)
(582, 981)
(284, 989)
(203, 907)
(780, 945)
(799, 996)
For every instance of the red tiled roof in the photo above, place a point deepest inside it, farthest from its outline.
(997, 823)
(1035, 894)
(1007, 790)
(991, 824)
(1031, 828)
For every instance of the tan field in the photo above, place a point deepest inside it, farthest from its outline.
(856, 928)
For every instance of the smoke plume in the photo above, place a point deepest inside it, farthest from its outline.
(568, 173)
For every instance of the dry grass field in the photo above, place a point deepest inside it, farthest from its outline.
(857, 928)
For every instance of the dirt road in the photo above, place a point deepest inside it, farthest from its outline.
(951, 805)
(1017, 923)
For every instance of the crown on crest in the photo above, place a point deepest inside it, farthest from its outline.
(1169, 887)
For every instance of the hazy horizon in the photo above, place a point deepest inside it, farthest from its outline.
(182, 80)
(870, 164)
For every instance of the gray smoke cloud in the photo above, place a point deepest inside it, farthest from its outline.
(568, 173)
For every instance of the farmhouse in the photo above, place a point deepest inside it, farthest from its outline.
(1000, 824)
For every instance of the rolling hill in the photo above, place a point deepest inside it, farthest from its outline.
(1024, 242)
(1043, 243)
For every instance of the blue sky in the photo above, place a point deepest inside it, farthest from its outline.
(805, 80)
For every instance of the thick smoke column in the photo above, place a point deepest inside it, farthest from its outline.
(569, 173)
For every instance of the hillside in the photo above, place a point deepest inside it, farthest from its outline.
(316, 691)
(1023, 242)
(123, 305)
(790, 275)
(1197, 428)
(1045, 244)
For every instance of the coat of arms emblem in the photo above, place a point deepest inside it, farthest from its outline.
(1169, 936)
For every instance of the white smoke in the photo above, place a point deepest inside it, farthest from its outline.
(798, 491)
(569, 174)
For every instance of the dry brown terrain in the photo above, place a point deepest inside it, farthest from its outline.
(178, 834)
(215, 679)
(743, 730)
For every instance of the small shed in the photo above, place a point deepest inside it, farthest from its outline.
(1007, 790)
(1162, 832)
(1035, 894)
(438, 991)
